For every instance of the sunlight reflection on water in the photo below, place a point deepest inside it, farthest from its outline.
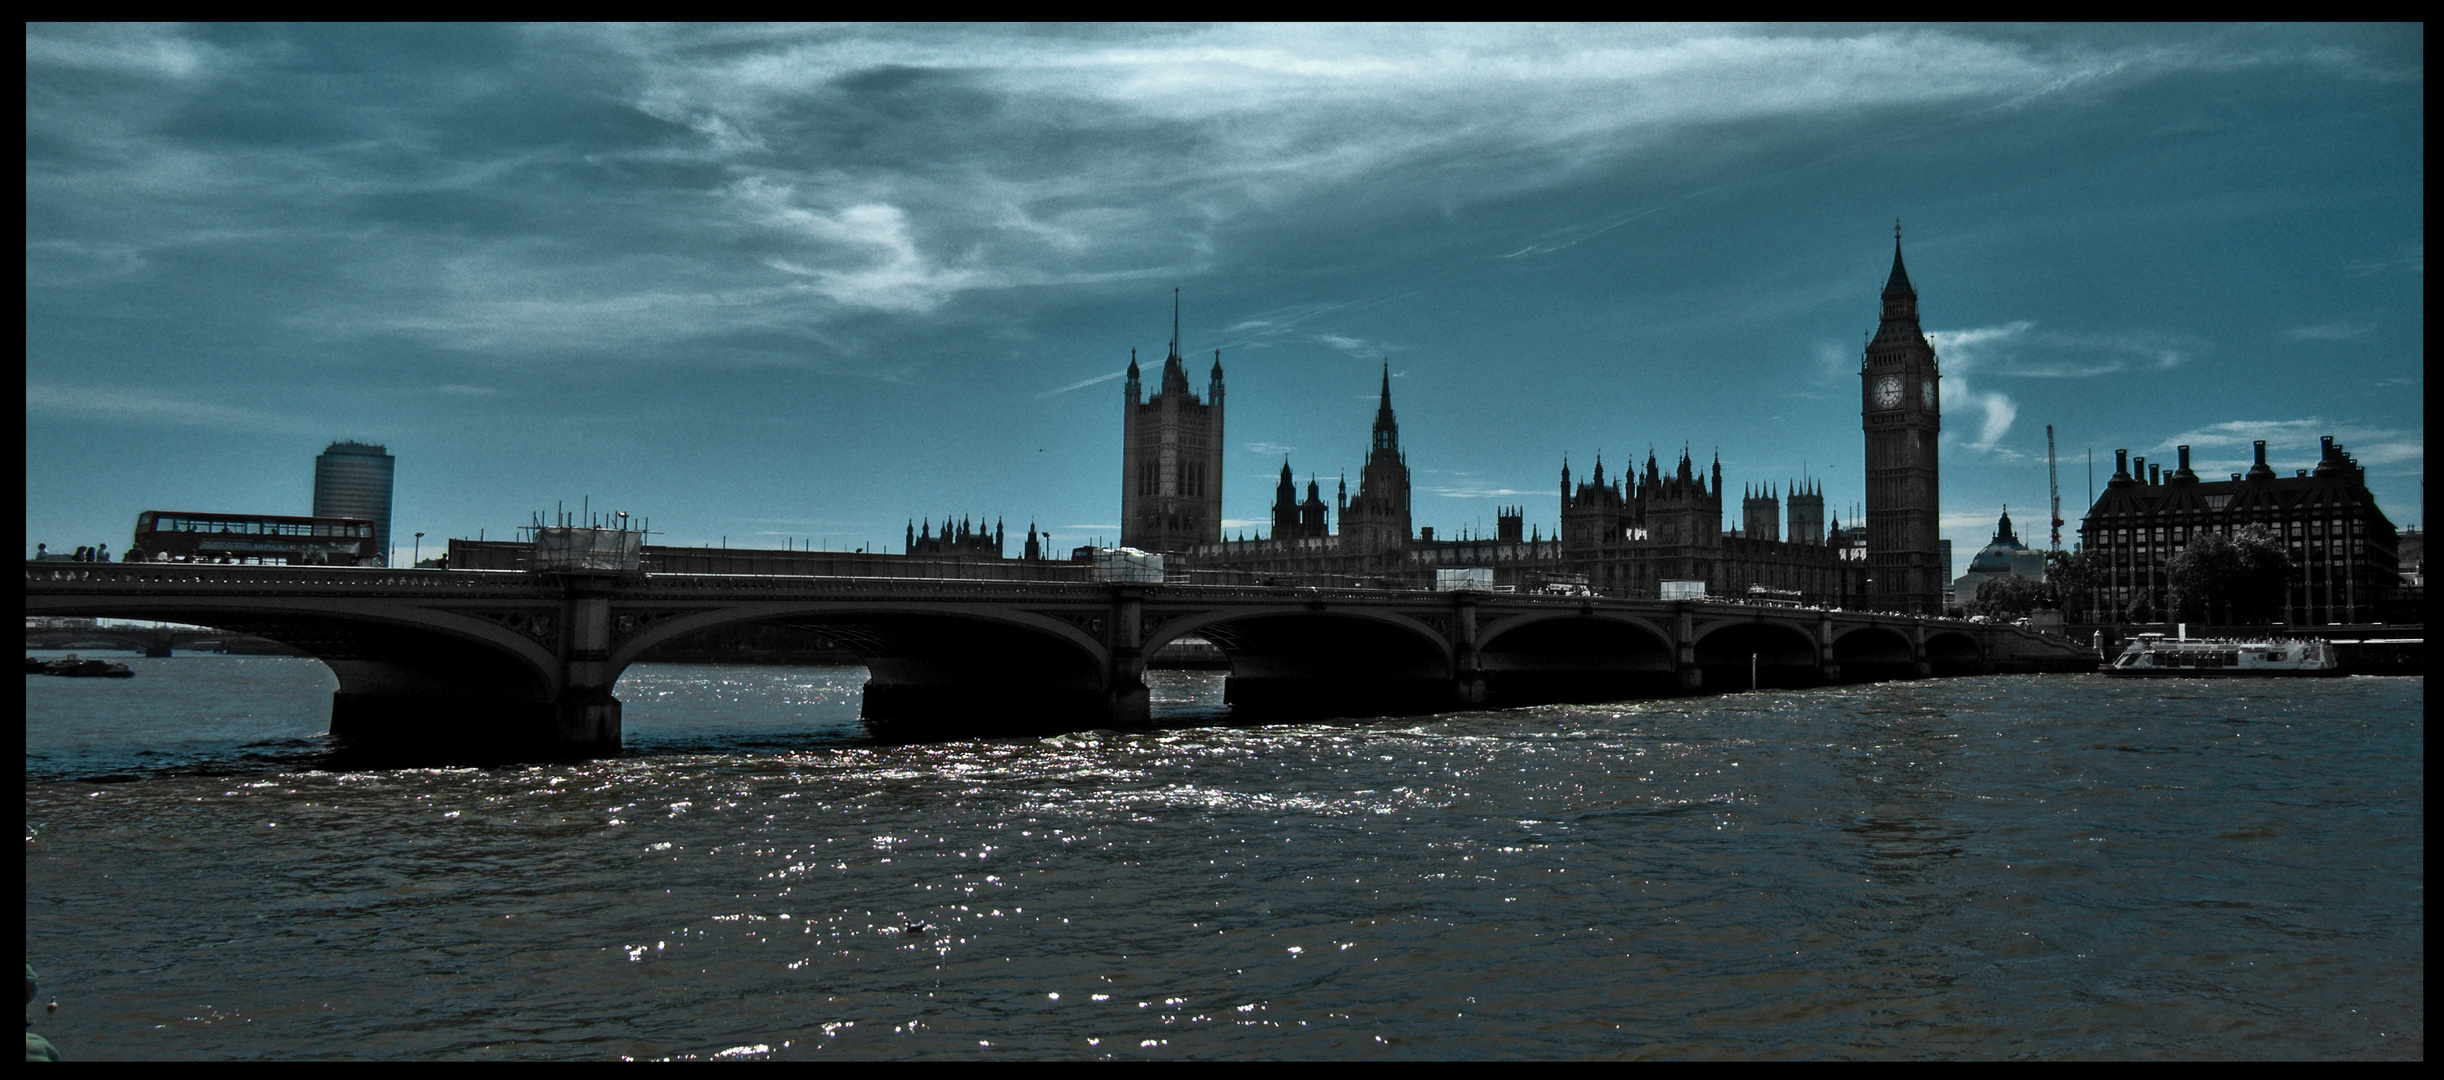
(1989, 867)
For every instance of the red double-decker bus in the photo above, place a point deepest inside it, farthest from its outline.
(179, 536)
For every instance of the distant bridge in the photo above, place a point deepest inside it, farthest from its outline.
(527, 662)
(157, 641)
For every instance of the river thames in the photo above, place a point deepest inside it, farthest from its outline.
(2010, 866)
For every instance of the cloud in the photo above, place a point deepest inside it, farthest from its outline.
(2228, 446)
(2018, 349)
(2412, 261)
(1998, 409)
(1267, 448)
(140, 408)
(1481, 493)
(68, 262)
(1360, 348)
(2333, 331)
(1962, 352)
(1082, 384)
(124, 49)
(873, 256)
(626, 190)
(1984, 519)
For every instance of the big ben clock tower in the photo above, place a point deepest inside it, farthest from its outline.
(1901, 409)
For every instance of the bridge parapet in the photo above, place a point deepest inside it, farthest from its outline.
(69, 576)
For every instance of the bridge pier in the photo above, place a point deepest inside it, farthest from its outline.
(1684, 652)
(1467, 666)
(586, 718)
(1826, 665)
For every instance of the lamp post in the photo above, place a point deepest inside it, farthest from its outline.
(413, 559)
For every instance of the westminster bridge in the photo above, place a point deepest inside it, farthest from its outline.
(526, 662)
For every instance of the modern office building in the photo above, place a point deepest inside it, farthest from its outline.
(352, 480)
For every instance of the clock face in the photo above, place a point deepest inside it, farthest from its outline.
(1888, 392)
(1926, 394)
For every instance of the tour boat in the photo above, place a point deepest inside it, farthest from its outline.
(2151, 656)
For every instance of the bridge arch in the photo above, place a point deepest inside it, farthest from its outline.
(1306, 660)
(1775, 653)
(1872, 652)
(1575, 655)
(845, 614)
(407, 673)
(945, 667)
(1955, 653)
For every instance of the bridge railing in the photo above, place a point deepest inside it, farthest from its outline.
(74, 575)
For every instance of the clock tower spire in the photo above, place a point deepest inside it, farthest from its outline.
(1901, 410)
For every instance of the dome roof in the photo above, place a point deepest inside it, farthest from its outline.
(1995, 557)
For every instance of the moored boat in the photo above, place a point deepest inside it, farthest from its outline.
(77, 667)
(2152, 656)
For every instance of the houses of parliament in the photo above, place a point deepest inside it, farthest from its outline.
(1626, 534)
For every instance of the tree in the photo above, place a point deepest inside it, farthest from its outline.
(2071, 577)
(2265, 575)
(2200, 580)
(2008, 597)
(2236, 578)
(2142, 610)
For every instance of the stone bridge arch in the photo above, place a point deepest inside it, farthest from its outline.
(1872, 652)
(1951, 652)
(1774, 652)
(1575, 655)
(1306, 659)
(411, 674)
(951, 667)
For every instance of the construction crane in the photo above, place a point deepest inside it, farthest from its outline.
(2053, 487)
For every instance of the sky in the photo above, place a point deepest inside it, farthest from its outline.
(778, 286)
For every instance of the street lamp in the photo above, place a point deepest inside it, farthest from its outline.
(412, 560)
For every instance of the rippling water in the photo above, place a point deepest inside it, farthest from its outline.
(2008, 866)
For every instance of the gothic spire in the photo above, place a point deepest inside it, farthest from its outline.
(1387, 429)
(1175, 319)
(1898, 284)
